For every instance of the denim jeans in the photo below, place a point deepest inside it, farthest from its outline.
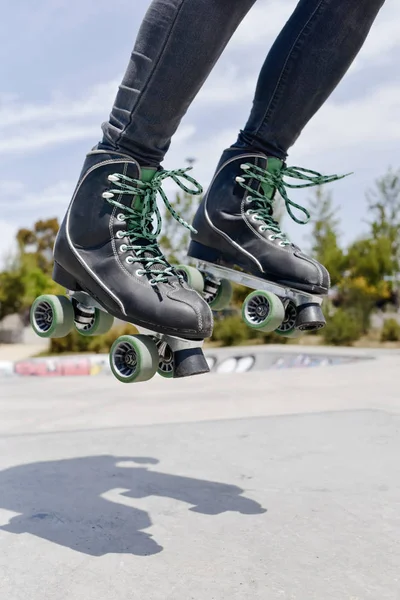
(179, 43)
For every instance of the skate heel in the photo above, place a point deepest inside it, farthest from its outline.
(62, 277)
(310, 317)
(190, 361)
(201, 252)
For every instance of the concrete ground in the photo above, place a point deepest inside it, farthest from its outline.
(265, 485)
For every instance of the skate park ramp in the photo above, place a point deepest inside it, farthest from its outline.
(275, 483)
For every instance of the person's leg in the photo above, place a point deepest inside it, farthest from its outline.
(235, 221)
(107, 245)
(177, 46)
(307, 61)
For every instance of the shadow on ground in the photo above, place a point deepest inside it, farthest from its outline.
(86, 504)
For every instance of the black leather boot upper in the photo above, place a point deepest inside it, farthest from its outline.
(100, 246)
(231, 230)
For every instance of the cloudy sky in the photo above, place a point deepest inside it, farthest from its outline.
(61, 62)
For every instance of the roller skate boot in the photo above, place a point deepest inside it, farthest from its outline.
(106, 255)
(238, 239)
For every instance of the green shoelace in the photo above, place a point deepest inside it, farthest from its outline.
(139, 218)
(263, 206)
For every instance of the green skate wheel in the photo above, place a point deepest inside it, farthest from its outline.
(192, 276)
(166, 363)
(89, 322)
(52, 316)
(134, 358)
(223, 296)
(287, 328)
(263, 311)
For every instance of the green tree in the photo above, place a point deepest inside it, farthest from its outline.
(325, 235)
(371, 258)
(384, 206)
(38, 243)
(28, 274)
(341, 329)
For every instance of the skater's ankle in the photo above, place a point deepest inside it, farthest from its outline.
(251, 144)
(143, 162)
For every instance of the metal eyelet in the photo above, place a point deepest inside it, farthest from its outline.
(271, 237)
(120, 234)
(262, 228)
(282, 244)
(139, 272)
(113, 178)
(129, 260)
(123, 248)
(249, 199)
(120, 217)
(107, 195)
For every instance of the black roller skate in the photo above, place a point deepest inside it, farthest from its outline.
(239, 240)
(106, 255)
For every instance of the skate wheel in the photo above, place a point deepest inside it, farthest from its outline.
(219, 293)
(263, 311)
(166, 363)
(92, 321)
(192, 276)
(52, 316)
(133, 358)
(288, 326)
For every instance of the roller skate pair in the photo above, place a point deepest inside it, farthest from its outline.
(107, 257)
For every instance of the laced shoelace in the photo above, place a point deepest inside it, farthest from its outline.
(263, 206)
(139, 219)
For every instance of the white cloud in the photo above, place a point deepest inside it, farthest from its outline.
(39, 138)
(60, 121)
(227, 86)
(360, 124)
(49, 200)
(96, 101)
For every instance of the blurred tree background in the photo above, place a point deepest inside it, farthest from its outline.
(363, 303)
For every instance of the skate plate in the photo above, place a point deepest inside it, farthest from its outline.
(272, 306)
(256, 283)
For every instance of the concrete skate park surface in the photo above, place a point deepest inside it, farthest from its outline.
(268, 484)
